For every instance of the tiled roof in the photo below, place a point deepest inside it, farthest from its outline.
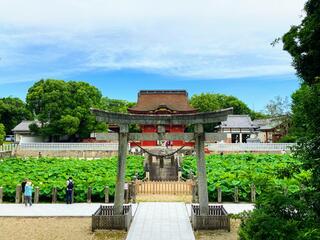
(238, 121)
(175, 100)
(24, 126)
(268, 123)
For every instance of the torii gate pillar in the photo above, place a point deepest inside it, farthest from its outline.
(201, 172)
(122, 157)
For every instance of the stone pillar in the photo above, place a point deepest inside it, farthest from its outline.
(122, 155)
(133, 191)
(106, 194)
(202, 175)
(36, 195)
(89, 194)
(54, 195)
(18, 193)
(219, 195)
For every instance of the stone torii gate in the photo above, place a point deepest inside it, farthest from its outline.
(196, 119)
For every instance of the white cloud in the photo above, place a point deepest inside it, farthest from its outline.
(201, 39)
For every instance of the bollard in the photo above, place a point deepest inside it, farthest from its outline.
(126, 196)
(1, 194)
(133, 192)
(18, 194)
(106, 194)
(54, 195)
(36, 195)
(219, 195)
(126, 192)
(194, 192)
(236, 195)
(253, 193)
(89, 194)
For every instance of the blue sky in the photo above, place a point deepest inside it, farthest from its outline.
(124, 46)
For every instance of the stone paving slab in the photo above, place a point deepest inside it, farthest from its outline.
(161, 221)
(233, 208)
(52, 210)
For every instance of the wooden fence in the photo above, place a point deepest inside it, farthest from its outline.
(140, 187)
(164, 187)
(104, 218)
(217, 219)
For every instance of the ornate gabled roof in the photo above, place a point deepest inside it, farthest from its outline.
(268, 123)
(162, 101)
(238, 121)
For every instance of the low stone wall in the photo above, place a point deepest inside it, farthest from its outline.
(5, 154)
(64, 153)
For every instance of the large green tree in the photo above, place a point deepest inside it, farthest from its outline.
(206, 102)
(63, 108)
(297, 216)
(116, 105)
(303, 43)
(2, 133)
(12, 112)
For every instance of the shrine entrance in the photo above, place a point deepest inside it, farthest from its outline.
(163, 168)
(199, 137)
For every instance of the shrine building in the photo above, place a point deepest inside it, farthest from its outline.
(162, 102)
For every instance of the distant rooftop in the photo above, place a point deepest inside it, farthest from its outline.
(151, 101)
(184, 92)
(268, 123)
(238, 121)
(24, 126)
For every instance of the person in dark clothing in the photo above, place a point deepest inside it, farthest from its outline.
(69, 191)
(23, 187)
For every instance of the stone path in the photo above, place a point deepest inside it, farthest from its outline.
(52, 210)
(233, 208)
(87, 209)
(161, 221)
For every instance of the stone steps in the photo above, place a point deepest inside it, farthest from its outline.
(167, 173)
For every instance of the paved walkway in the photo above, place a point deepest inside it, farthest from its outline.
(52, 210)
(87, 209)
(233, 208)
(161, 221)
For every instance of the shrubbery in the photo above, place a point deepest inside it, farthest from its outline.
(242, 170)
(47, 173)
(279, 216)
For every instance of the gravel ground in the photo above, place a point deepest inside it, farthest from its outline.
(53, 228)
(75, 228)
(221, 234)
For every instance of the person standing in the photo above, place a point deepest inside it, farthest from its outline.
(28, 194)
(69, 192)
(23, 185)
